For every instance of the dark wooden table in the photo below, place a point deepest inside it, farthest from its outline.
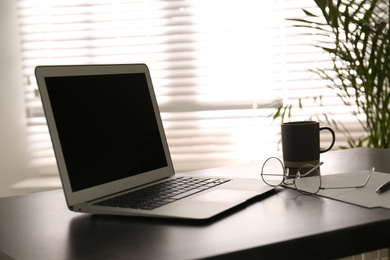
(282, 224)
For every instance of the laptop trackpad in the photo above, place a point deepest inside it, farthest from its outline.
(225, 196)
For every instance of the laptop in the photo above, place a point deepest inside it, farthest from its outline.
(110, 147)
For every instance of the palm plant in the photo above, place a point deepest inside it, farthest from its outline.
(360, 52)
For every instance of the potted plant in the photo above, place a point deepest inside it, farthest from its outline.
(360, 53)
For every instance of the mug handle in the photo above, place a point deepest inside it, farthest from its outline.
(333, 138)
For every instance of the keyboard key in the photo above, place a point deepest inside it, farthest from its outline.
(186, 194)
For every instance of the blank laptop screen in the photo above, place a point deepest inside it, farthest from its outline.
(107, 127)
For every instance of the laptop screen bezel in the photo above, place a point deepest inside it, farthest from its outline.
(76, 197)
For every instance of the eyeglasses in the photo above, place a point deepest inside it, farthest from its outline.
(307, 179)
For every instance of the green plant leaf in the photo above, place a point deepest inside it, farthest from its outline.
(309, 13)
(360, 51)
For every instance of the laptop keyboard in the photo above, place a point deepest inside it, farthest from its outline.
(162, 193)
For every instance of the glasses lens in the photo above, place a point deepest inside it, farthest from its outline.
(308, 179)
(272, 171)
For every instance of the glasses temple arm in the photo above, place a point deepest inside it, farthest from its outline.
(310, 171)
(350, 187)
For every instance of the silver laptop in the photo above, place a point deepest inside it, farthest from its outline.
(111, 148)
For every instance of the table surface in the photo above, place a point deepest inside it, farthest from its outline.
(278, 225)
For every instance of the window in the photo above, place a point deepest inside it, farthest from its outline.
(219, 68)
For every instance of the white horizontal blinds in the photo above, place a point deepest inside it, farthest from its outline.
(234, 74)
(218, 67)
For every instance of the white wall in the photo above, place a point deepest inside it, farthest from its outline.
(13, 147)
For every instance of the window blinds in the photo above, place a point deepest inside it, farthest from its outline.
(219, 68)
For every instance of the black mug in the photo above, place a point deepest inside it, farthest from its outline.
(301, 144)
